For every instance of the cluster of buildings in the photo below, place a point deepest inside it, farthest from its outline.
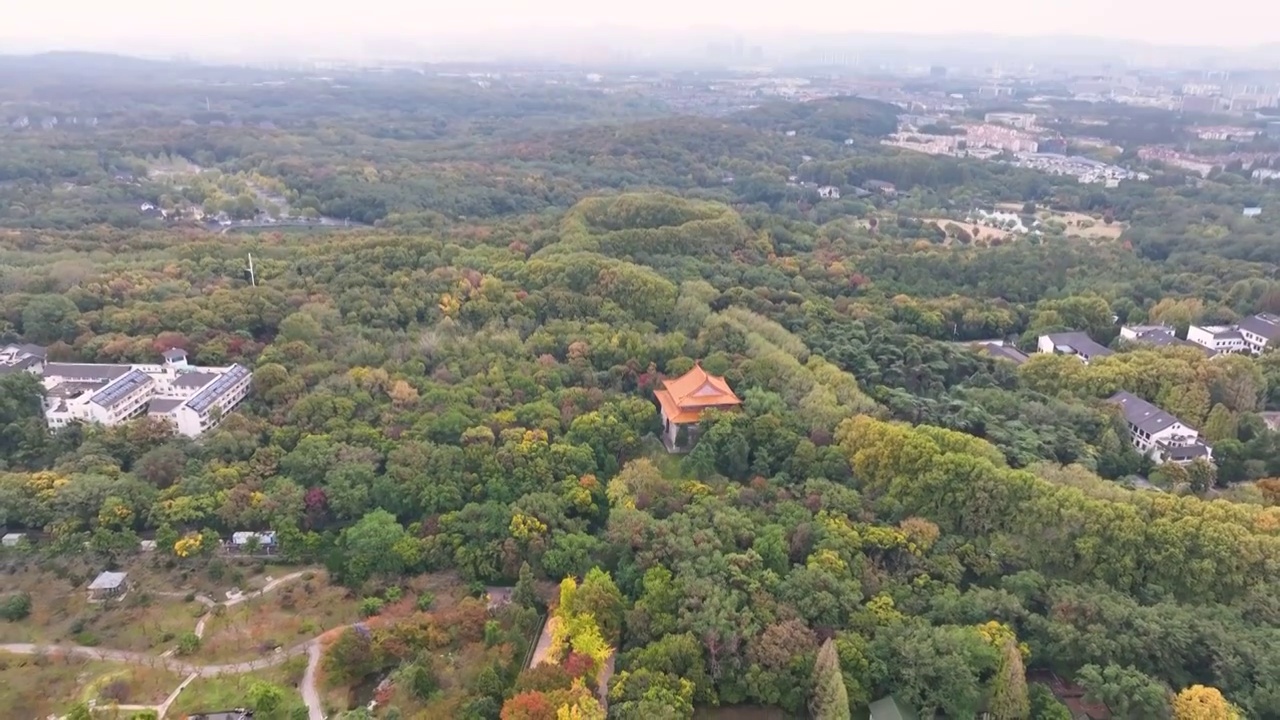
(1022, 121)
(1085, 170)
(192, 399)
(1252, 335)
(1225, 132)
(1203, 164)
(1009, 132)
(1154, 432)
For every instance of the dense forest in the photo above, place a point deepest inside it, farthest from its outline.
(465, 383)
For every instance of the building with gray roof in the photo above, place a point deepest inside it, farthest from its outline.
(192, 399)
(1159, 434)
(1075, 343)
(1253, 334)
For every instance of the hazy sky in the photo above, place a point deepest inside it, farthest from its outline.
(97, 23)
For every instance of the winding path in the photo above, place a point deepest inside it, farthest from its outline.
(312, 647)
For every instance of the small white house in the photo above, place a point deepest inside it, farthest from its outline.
(263, 542)
(12, 539)
(830, 192)
(107, 585)
(1076, 343)
(1252, 211)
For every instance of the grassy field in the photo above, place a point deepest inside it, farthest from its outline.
(139, 621)
(231, 691)
(1078, 224)
(158, 608)
(290, 614)
(36, 686)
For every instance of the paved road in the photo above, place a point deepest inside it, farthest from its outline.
(169, 663)
(310, 696)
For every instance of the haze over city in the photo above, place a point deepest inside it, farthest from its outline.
(250, 29)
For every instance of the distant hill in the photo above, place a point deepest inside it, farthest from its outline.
(832, 119)
(82, 63)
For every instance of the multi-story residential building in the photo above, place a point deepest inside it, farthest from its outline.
(1072, 343)
(1253, 334)
(1218, 338)
(1158, 434)
(192, 399)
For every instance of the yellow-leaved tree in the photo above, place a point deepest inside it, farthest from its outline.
(1200, 702)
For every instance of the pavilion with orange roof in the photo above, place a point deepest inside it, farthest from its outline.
(683, 399)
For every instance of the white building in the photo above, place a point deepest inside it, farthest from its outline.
(1158, 434)
(829, 191)
(1219, 338)
(1253, 334)
(265, 541)
(193, 399)
(19, 358)
(1072, 343)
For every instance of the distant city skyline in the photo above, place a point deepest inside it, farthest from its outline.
(285, 27)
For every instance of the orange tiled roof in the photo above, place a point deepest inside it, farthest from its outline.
(683, 398)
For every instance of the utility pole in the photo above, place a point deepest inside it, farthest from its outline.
(252, 277)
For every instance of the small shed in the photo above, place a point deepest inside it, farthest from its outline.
(175, 357)
(263, 541)
(1252, 211)
(888, 708)
(12, 539)
(107, 585)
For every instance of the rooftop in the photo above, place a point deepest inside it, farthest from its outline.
(1004, 352)
(163, 406)
(1186, 452)
(72, 388)
(1079, 342)
(174, 354)
(683, 398)
(85, 371)
(1142, 414)
(194, 379)
(107, 581)
(1264, 324)
(213, 392)
(116, 392)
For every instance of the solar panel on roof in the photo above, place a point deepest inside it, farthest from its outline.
(212, 392)
(116, 391)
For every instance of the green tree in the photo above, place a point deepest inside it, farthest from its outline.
(1128, 692)
(266, 699)
(369, 547)
(50, 318)
(829, 700)
(1044, 706)
(1219, 425)
(525, 593)
(1009, 700)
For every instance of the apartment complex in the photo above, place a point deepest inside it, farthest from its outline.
(1252, 334)
(191, 398)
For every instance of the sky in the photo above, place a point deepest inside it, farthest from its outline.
(149, 25)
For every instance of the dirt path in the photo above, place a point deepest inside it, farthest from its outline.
(312, 647)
